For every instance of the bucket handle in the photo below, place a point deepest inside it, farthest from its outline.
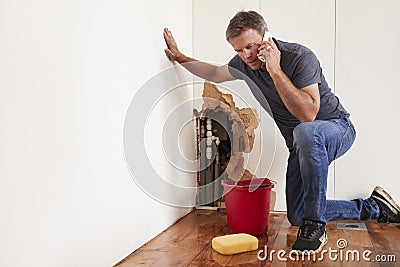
(272, 183)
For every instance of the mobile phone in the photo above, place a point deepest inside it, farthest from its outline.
(267, 35)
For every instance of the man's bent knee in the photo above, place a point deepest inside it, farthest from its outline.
(303, 134)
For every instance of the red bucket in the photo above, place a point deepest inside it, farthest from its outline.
(247, 205)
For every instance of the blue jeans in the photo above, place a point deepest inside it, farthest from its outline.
(315, 145)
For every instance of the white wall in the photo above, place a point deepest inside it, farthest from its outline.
(68, 71)
(368, 41)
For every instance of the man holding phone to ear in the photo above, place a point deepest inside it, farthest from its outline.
(315, 125)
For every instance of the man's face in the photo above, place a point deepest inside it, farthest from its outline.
(246, 45)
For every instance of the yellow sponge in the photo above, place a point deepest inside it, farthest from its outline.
(235, 243)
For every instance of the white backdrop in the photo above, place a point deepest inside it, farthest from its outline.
(68, 71)
(368, 56)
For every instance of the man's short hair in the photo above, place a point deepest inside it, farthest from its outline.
(244, 20)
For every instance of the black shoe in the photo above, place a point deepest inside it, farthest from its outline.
(389, 210)
(310, 238)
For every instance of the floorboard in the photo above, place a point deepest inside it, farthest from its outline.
(188, 243)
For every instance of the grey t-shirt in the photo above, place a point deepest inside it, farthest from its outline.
(302, 67)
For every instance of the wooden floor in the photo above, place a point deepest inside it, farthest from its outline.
(188, 243)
